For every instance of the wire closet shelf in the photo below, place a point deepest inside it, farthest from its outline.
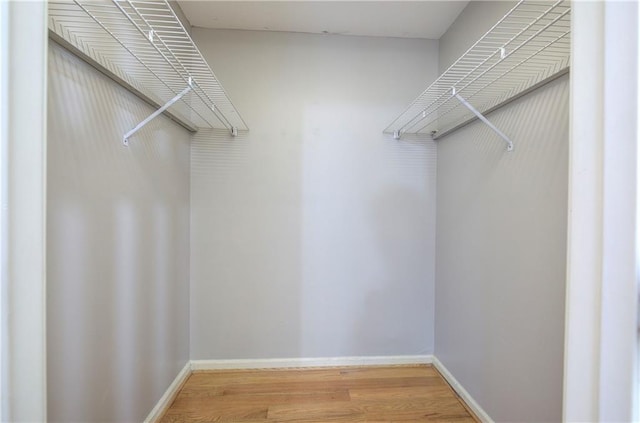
(144, 44)
(529, 46)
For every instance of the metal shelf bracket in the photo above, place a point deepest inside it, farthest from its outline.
(125, 138)
(482, 118)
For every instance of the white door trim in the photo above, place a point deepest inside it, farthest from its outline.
(23, 155)
(601, 303)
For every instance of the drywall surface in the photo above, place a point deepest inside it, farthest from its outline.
(313, 234)
(472, 23)
(501, 244)
(501, 257)
(118, 249)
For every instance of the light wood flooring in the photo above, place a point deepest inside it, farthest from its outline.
(350, 394)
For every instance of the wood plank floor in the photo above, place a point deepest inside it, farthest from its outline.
(349, 394)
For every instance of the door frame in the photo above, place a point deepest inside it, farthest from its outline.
(601, 338)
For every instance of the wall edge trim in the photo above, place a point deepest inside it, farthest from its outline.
(169, 395)
(465, 396)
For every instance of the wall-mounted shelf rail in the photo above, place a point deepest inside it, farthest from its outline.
(529, 46)
(144, 44)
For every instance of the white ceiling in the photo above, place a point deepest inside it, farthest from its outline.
(408, 19)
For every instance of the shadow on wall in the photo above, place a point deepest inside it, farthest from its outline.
(282, 220)
(117, 248)
(502, 222)
(368, 207)
(245, 244)
(393, 310)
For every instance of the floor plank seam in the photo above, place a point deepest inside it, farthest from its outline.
(373, 393)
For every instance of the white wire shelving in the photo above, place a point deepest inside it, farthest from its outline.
(144, 45)
(528, 47)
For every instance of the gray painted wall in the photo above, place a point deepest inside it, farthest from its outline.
(313, 235)
(180, 15)
(501, 247)
(118, 249)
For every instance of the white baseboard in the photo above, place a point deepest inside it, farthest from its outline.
(466, 397)
(279, 363)
(169, 395)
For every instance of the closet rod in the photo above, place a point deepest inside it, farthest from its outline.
(145, 45)
(525, 49)
(437, 135)
(115, 78)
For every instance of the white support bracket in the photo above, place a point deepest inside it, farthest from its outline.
(482, 118)
(234, 131)
(125, 138)
(396, 134)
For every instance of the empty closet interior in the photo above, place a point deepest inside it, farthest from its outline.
(318, 194)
